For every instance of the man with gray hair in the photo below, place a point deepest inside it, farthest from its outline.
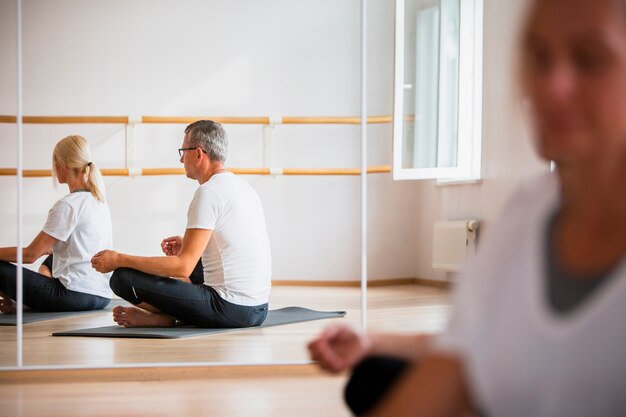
(226, 228)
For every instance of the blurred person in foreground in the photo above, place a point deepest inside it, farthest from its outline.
(538, 326)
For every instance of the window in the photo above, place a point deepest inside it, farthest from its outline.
(437, 124)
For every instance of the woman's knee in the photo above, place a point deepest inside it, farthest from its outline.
(7, 277)
(7, 268)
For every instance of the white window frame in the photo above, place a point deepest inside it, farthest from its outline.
(470, 98)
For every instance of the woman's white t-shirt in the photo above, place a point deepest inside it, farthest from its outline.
(520, 356)
(82, 226)
(237, 260)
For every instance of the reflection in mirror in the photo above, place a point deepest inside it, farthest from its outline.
(431, 83)
(187, 67)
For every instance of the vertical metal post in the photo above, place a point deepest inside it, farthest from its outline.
(364, 164)
(20, 139)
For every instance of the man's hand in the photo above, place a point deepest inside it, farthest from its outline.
(171, 245)
(105, 261)
(339, 348)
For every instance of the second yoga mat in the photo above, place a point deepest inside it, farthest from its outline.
(36, 316)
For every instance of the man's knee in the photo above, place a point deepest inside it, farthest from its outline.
(120, 282)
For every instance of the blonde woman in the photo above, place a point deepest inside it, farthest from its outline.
(78, 226)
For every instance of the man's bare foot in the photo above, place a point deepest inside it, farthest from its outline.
(137, 317)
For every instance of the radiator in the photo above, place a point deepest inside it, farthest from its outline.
(454, 242)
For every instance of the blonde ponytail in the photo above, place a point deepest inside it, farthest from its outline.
(74, 152)
(95, 182)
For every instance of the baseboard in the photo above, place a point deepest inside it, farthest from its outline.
(446, 285)
(156, 373)
(370, 283)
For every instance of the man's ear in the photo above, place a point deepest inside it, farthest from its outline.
(198, 153)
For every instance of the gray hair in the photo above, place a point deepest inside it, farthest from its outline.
(210, 137)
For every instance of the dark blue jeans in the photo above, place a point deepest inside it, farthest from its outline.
(46, 294)
(191, 303)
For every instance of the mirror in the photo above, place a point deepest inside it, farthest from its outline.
(103, 59)
(8, 156)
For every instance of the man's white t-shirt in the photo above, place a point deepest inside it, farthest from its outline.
(520, 356)
(237, 260)
(82, 226)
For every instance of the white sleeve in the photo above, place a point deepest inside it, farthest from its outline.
(480, 285)
(457, 337)
(61, 222)
(204, 210)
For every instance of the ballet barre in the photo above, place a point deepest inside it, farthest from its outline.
(135, 172)
(268, 123)
(255, 120)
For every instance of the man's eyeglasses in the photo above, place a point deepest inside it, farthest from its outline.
(181, 151)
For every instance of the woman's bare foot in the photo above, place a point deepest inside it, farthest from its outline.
(137, 317)
(8, 306)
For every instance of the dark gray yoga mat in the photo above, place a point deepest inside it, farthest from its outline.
(35, 316)
(278, 317)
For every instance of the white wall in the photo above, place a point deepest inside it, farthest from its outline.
(249, 58)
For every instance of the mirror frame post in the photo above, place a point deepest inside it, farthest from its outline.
(20, 140)
(363, 164)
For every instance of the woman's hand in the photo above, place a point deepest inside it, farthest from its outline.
(339, 348)
(105, 261)
(171, 245)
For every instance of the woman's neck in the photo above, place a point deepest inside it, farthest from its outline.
(595, 188)
(591, 227)
(77, 183)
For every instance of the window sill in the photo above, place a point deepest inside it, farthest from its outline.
(453, 181)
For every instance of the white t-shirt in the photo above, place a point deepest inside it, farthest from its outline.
(237, 260)
(522, 358)
(82, 226)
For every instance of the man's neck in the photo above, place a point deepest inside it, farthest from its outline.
(213, 169)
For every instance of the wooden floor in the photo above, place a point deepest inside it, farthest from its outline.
(258, 397)
(404, 308)
(407, 308)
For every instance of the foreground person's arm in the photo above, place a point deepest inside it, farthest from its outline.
(434, 387)
(341, 347)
